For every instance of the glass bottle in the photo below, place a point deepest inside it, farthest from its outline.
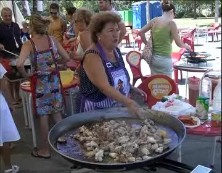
(217, 96)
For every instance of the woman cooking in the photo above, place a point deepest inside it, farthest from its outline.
(102, 67)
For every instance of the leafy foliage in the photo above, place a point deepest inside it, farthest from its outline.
(184, 8)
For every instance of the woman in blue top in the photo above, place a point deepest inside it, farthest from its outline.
(103, 67)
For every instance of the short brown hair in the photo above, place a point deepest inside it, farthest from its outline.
(84, 14)
(54, 6)
(99, 21)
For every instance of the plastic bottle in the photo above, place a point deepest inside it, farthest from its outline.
(193, 83)
(217, 97)
(205, 88)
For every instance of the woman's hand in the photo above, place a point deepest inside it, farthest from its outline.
(135, 110)
(188, 47)
(1, 46)
(139, 92)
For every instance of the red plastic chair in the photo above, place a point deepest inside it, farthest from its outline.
(189, 38)
(133, 58)
(157, 86)
(137, 38)
(176, 56)
(218, 31)
(212, 31)
(126, 37)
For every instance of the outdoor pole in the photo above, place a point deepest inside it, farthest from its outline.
(216, 10)
(14, 10)
(147, 11)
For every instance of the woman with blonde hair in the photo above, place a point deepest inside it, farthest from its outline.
(45, 80)
(163, 31)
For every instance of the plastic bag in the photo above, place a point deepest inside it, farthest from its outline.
(175, 107)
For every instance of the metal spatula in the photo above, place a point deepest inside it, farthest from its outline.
(10, 52)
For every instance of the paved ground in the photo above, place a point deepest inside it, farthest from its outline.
(195, 149)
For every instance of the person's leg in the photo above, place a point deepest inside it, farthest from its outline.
(8, 92)
(57, 117)
(16, 90)
(44, 126)
(6, 156)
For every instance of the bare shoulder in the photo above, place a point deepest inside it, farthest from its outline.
(172, 24)
(92, 54)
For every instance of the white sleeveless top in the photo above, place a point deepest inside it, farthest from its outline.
(79, 50)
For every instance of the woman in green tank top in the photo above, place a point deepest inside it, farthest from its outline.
(164, 31)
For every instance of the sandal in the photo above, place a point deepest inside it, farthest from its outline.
(14, 169)
(35, 153)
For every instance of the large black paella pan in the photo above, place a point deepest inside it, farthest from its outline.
(73, 152)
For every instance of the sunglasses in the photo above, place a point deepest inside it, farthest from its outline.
(54, 13)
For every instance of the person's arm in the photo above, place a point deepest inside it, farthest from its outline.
(72, 39)
(2, 46)
(2, 73)
(176, 37)
(85, 40)
(25, 52)
(62, 52)
(144, 29)
(139, 92)
(99, 78)
(122, 29)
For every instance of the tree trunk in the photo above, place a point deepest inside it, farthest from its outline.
(34, 6)
(195, 9)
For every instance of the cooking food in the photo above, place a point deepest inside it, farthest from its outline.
(188, 120)
(120, 141)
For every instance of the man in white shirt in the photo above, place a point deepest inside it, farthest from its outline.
(106, 5)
